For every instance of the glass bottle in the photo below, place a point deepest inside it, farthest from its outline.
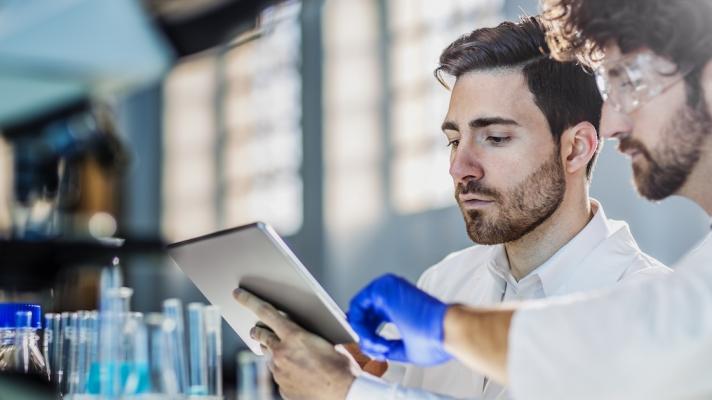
(19, 339)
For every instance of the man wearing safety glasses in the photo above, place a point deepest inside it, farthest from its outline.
(652, 340)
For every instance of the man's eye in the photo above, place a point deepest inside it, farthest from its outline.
(453, 143)
(626, 84)
(498, 139)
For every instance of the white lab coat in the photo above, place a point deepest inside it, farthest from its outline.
(650, 341)
(601, 255)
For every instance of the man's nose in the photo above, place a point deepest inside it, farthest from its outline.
(614, 123)
(465, 165)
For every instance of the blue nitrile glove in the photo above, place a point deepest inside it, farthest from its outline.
(418, 316)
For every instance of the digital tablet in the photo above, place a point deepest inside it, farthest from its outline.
(255, 258)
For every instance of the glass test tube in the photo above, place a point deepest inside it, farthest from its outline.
(48, 343)
(213, 336)
(254, 381)
(82, 362)
(123, 297)
(23, 328)
(56, 356)
(134, 361)
(115, 305)
(198, 360)
(72, 339)
(65, 334)
(162, 374)
(173, 312)
(92, 349)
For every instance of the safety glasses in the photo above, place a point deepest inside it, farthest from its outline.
(627, 83)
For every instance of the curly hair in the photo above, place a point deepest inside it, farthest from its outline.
(679, 30)
(676, 29)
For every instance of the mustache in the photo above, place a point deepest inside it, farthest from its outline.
(475, 187)
(634, 144)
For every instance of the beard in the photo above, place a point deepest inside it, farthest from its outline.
(666, 167)
(519, 210)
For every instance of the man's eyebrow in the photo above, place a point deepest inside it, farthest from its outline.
(479, 123)
(449, 126)
(485, 122)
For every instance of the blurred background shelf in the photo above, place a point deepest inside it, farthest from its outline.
(35, 265)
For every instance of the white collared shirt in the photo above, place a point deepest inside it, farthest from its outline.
(650, 341)
(601, 255)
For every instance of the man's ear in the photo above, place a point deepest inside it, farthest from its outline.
(579, 144)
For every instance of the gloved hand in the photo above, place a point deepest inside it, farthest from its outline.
(417, 315)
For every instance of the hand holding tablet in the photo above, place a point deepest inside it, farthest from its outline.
(255, 258)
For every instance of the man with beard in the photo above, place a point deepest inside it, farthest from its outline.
(650, 340)
(522, 131)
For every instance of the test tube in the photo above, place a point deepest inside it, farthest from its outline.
(48, 344)
(82, 361)
(134, 355)
(125, 295)
(92, 349)
(63, 361)
(254, 381)
(173, 312)
(72, 339)
(213, 336)
(162, 373)
(115, 305)
(23, 328)
(198, 360)
(53, 323)
(110, 277)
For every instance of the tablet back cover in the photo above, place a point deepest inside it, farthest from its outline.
(253, 257)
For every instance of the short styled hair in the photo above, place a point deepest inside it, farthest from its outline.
(564, 92)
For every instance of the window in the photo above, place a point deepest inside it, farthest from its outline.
(189, 178)
(263, 126)
(232, 148)
(419, 31)
(353, 129)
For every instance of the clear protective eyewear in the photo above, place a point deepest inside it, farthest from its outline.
(629, 82)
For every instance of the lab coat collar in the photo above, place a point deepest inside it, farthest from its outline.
(555, 271)
(558, 268)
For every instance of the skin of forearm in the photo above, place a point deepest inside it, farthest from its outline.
(479, 338)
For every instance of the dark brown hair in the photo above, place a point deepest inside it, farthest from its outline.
(676, 29)
(564, 92)
(679, 30)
